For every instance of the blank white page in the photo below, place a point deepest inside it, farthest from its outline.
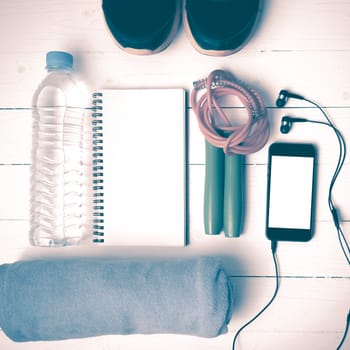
(144, 156)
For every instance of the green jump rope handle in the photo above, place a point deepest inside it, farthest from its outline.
(214, 189)
(233, 195)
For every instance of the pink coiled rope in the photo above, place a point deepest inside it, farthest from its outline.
(233, 139)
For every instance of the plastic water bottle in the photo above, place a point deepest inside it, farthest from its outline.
(57, 190)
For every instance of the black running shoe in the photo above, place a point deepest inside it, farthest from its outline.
(220, 27)
(142, 27)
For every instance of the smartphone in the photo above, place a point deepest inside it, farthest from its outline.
(291, 183)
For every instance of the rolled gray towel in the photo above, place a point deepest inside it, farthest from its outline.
(77, 298)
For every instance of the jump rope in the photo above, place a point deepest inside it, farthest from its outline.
(248, 138)
(226, 145)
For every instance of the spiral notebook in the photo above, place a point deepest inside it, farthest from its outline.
(139, 167)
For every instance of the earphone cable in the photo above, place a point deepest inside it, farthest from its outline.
(341, 159)
(275, 261)
(347, 324)
(341, 236)
(342, 145)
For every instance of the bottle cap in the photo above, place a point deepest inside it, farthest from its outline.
(59, 60)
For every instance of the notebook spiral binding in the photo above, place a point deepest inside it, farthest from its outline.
(97, 170)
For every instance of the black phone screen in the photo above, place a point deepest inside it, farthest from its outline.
(290, 191)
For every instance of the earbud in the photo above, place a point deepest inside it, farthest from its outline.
(283, 97)
(286, 123)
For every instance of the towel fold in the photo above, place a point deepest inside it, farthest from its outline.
(77, 298)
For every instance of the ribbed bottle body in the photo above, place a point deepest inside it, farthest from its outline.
(57, 191)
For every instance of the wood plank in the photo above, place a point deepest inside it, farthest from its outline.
(16, 133)
(14, 189)
(288, 341)
(267, 72)
(15, 136)
(14, 203)
(243, 256)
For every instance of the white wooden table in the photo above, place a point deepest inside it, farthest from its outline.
(302, 45)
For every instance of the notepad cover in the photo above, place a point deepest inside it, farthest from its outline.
(144, 167)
